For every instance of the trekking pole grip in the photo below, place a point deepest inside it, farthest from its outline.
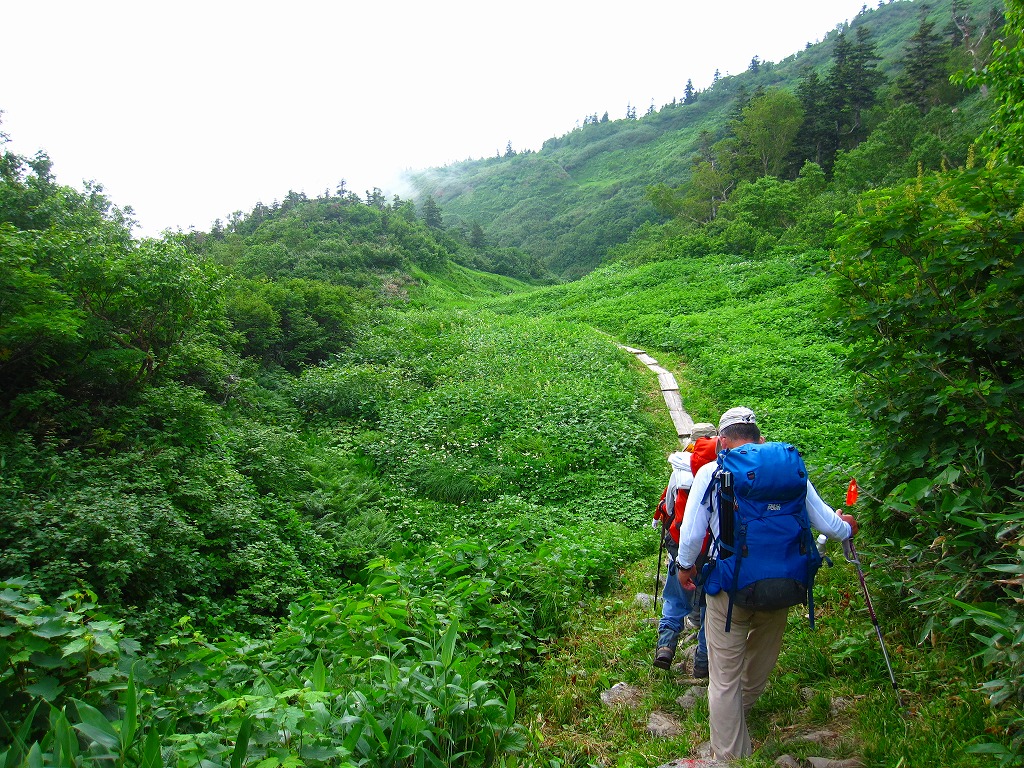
(850, 552)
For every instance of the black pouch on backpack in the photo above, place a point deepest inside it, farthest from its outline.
(726, 519)
(771, 594)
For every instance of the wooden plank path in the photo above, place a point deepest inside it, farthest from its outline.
(670, 390)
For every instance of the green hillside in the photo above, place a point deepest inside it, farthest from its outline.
(585, 191)
(353, 482)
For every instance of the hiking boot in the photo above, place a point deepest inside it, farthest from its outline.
(663, 656)
(700, 670)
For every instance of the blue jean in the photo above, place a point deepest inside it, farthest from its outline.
(676, 605)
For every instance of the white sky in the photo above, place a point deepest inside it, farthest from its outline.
(187, 111)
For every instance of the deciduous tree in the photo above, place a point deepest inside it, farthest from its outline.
(768, 127)
(1004, 138)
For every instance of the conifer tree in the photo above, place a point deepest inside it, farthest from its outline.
(431, 213)
(924, 66)
(834, 107)
(477, 239)
(853, 85)
(688, 93)
(816, 139)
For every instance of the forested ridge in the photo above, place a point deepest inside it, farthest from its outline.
(582, 193)
(357, 481)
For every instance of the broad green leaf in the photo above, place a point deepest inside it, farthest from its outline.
(102, 674)
(238, 754)
(95, 726)
(130, 722)
(969, 523)
(65, 744)
(47, 661)
(151, 755)
(989, 748)
(319, 677)
(98, 735)
(51, 629)
(75, 646)
(34, 759)
(448, 642)
(1014, 568)
(47, 688)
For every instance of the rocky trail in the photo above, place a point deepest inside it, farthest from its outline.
(664, 724)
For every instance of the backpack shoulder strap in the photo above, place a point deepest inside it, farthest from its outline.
(711, 485)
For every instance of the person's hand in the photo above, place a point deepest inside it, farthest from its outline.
(686, 577)
(853, 524)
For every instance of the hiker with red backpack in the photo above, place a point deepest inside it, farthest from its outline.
(759, 506)
(679, 605)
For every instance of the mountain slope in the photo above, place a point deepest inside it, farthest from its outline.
(584, 192)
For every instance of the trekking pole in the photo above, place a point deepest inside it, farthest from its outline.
(657, 578)
(850, 552)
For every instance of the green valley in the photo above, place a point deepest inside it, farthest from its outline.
(352, 481)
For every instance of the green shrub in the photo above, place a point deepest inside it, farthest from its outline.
(347, 391)
(931, 286)
(381, 674)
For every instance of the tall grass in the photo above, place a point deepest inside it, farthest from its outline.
(745, 331)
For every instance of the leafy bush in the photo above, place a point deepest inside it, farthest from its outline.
(154, 510)
(380, 675)
(932, 279)
(51, 652)
(348, 391)
(932, 284)
(291, 323)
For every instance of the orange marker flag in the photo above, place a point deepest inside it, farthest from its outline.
(851, 492)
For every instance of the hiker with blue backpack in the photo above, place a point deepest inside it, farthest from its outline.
(759, 506)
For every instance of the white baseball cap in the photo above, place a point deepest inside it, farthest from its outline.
(738, 415)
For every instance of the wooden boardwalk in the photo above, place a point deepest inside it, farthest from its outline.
(670, 390)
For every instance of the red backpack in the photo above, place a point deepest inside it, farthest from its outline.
(705, 450)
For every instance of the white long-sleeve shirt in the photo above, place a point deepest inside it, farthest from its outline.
(699, 515)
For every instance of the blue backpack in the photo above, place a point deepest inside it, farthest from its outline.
(764, 556)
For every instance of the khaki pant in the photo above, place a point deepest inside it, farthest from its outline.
(741, 660)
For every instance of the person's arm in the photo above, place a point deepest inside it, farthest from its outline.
(670, 497)
(695, 517)
(826, 520)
